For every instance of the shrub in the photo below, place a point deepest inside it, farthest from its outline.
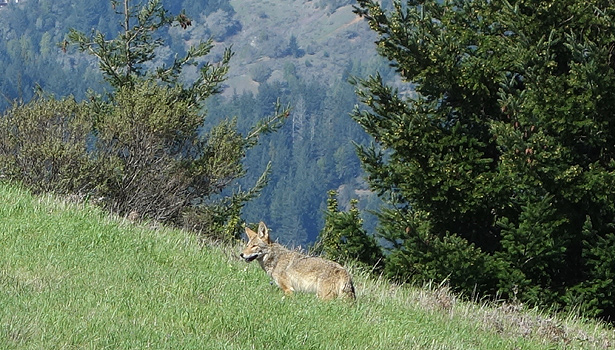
(43, 145)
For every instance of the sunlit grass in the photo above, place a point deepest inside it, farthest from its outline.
(73, 277)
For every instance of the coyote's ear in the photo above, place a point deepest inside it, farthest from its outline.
(263, 232)
(251, 234)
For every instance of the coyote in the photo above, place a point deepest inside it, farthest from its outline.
(296, 272)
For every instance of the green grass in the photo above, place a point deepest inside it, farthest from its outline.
(72, 277)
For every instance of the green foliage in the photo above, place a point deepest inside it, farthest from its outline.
(221, 25)
(31, 57)
(260, 74)
(161, 163)
(343, 237)
(293, 47)
(506, 153)
(44, 146)
(594, 295)
(419, 254)
(140, 148)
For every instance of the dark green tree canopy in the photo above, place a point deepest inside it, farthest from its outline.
(500, 168)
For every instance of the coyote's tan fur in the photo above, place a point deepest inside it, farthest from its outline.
(296, 272)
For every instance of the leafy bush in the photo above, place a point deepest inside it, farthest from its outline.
(44, 145)
(161, 164)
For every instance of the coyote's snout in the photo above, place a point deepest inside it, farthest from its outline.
(296, 272)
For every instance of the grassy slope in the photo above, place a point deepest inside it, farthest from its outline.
(72, 277)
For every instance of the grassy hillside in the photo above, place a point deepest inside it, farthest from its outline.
(72, 277)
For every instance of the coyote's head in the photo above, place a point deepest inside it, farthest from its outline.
(258, 243)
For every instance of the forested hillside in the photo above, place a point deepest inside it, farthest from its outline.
(33, 51)
(302, 52)
(308, 65)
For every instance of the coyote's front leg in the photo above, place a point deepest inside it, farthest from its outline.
(288, 290)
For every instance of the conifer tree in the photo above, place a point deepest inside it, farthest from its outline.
(149, 127)
(499, 171)
(343, 237)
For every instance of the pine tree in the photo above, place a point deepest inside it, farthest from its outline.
(499, 170)
(343, 237)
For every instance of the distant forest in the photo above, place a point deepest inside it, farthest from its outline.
(313, 153)
(32, 53)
